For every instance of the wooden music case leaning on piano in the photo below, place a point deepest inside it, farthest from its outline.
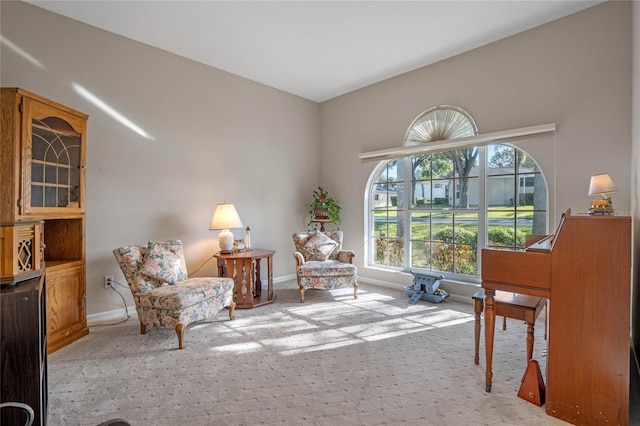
(584, 269)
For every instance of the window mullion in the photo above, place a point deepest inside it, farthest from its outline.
(483, 205)
(406, 214)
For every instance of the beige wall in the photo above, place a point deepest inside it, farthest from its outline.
(216, 137)
(220, 137)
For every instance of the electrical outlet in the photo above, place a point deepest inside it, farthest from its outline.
(108, 281)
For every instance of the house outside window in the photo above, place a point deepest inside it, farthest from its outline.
(436, 211)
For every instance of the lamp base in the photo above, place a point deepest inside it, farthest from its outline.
(593, 212)
(225, 240)
(601, 206)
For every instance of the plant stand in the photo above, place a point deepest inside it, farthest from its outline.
(321, 222)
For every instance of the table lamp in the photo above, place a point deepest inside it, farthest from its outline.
(224, 218)
(599, 186)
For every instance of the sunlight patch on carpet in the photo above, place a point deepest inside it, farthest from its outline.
(240, 348)
(385, 321)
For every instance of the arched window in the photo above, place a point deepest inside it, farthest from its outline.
(436, 211)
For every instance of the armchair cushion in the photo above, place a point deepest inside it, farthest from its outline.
(318, 247)
(165, 262)
(327, 268)
(184, 294)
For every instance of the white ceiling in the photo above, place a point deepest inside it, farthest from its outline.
(316, 49)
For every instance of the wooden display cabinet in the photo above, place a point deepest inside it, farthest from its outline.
(43, 157)
(42, 169)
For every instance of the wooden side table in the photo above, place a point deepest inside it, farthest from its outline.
(244, 268)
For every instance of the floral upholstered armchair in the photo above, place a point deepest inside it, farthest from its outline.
(164, 296)
(322, 264)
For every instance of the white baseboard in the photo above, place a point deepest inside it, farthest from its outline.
(283, 279)
(111, 315)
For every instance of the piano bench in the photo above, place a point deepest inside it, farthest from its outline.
(510, 305)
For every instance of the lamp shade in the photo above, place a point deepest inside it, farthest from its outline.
(601, 184)
(225, 217)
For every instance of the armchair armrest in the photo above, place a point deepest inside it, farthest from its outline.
(299, 258)
(346, 256)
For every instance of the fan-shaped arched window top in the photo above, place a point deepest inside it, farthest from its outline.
(440, 123)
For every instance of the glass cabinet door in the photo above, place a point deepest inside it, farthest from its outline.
(53, 160)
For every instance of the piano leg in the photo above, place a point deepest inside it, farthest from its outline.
(489, 330)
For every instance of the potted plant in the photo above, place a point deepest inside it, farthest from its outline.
(324, 207)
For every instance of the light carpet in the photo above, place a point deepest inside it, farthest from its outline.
(333, 360)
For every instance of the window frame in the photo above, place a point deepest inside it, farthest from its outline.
(483, 212)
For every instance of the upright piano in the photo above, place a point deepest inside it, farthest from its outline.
(584, 269)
